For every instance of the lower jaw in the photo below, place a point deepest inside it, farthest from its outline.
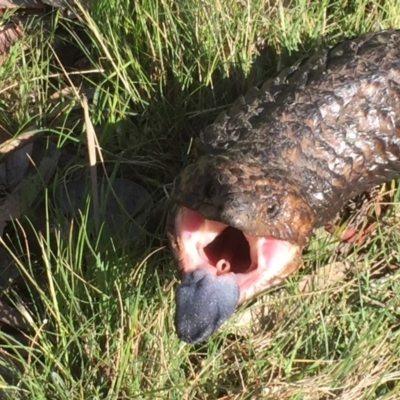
(283, 259)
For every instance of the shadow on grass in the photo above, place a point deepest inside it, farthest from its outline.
(93, 287)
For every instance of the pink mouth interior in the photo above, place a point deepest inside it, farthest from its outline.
(257, 262)
(232, 246)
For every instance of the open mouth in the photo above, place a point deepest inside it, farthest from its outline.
(257, 263)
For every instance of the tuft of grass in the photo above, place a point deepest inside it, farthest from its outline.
(98, 308)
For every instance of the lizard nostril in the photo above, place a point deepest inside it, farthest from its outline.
(210, 190)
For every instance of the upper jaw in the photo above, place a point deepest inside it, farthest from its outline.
(256, 262)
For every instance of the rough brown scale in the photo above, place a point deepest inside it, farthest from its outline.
(288, 155)
(325, 130)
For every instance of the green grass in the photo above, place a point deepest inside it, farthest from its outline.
(99, 309)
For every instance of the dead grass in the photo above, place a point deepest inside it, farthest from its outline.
(99, 309)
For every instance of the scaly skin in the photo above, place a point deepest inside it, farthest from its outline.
(287, 156)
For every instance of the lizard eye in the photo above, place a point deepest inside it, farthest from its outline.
(272, 210)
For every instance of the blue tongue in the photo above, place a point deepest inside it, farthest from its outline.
(203, 303)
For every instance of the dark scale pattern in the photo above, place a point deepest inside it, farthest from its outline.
(328, 128)
(281, 162)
